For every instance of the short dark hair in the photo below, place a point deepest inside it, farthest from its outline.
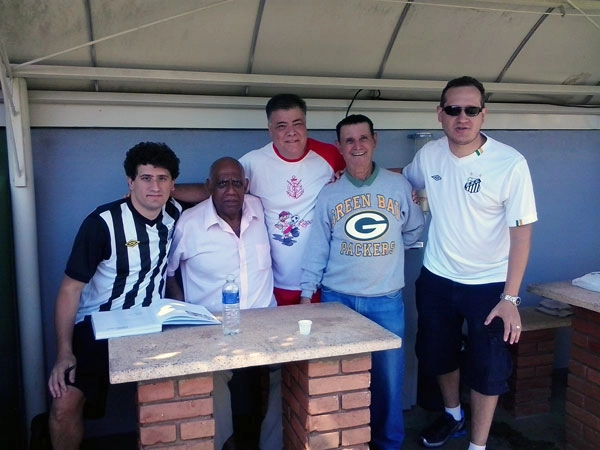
(462, 82)
(284, 101)
(353, 119)
(153, 153)
(213, 167)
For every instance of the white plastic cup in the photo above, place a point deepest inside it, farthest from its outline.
(304, 326)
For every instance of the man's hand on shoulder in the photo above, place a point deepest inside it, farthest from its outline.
(192, 193)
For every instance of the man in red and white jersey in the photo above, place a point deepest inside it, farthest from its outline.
(287, 174)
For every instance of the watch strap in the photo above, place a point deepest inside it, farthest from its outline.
(515, 300)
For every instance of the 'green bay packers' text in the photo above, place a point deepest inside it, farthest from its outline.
(367, 248)
(357, 202)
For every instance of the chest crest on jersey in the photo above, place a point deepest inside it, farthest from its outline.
(473, 185)
(294, 187)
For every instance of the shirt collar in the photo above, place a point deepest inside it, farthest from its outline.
(212, 218)
(368, 182)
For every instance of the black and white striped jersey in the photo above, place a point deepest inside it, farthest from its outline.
(121, 256)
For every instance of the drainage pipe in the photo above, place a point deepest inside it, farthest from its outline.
(26, 249)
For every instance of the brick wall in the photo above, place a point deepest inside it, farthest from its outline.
(531, 381)
(176, 414)
(326, 403)
(582, 420)
(325, 406)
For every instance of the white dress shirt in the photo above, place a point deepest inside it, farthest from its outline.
(207, 250)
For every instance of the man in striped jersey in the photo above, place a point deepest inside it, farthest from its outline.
(118, 261)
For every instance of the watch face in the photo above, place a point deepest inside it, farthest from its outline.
(514, 300)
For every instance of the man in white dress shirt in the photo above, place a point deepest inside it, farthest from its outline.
(225, 234)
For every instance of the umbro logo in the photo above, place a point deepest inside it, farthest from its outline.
(436, 177)
(131, 243)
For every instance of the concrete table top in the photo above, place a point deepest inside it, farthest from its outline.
(532, 320)
(564, 291)
(267, 336)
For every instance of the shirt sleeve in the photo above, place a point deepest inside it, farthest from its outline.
(520, 200)
(91, 247)
(414, 172)
(414, 222)
(246, 162)
(316, 252)
(176, 252)
(329, 153)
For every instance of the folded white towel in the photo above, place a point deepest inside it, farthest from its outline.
(590, 281)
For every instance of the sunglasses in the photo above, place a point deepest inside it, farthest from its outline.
(471, 111)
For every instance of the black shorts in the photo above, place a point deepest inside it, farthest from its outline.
(91, 375)
(443, 306)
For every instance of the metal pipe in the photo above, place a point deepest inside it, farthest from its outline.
(26, 255)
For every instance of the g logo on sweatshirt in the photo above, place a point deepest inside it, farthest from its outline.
(366, 226)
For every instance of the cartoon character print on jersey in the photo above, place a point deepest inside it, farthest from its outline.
(288, 225)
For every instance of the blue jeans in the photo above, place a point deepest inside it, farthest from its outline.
(387, 367)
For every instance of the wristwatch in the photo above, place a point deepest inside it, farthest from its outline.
(514, 300)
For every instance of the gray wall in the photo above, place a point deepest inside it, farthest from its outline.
(78, 169)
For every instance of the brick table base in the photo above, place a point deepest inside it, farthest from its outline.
(326, 403)
(582, 421)
(531, 381)
(176, 414)
(325, 406)
(533, 361)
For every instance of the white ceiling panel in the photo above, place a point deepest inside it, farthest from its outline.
(525, 51)
(31, 29)
(440, 40)
(183, 35)
(324, 38)
(564, 50)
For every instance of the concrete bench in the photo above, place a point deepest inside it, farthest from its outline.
(533, 363)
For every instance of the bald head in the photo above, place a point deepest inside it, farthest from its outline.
(214, 167)
(227, 185)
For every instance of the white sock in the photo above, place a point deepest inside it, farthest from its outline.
(455, 412)
(475, 447)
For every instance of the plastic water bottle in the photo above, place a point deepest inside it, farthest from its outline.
(231, 307)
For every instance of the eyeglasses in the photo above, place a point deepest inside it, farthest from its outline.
(237, 184)
(471, 111)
